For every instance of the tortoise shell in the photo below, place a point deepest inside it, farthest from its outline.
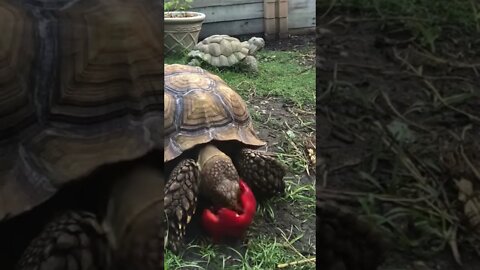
(81, 85)
(221, 50)
(200, 107)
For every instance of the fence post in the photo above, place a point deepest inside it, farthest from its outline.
(282, 18)
(270, 21)
(275, 18)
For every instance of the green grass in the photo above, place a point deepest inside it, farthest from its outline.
(292, 150)
(263, 251)
(426, 18)
(265, 254)
(282, 74)
(460, 12)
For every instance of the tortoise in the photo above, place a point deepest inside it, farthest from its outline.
(207, 123)
(227, 51)
(81, 86)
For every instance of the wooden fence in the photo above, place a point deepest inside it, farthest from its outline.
(270, 18)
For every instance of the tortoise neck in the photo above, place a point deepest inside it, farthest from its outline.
(209, 152)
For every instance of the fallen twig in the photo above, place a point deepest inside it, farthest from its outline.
(394, 110)
(284, 265)
(464, 156)
(438, 60)
(387, 18)
(434, 89)
(330, 7)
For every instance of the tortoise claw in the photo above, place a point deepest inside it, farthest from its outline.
(74, 240)
(261, 171)
(181, 192)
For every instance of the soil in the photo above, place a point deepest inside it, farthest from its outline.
(294, 42)
(360, 57)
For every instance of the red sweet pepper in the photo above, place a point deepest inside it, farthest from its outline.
(228, 223)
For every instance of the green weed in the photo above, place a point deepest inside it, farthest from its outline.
(281, 74)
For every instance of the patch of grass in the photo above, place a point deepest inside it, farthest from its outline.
(425, 18)
(464, 13)
(293, 152)
(271, 253)
(301, 194)
(262, 251)
(281, 74)
(266, 253)
(176, 59)
(296, 194)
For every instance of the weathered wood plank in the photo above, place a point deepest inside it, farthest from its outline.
(232, 28)
(301, 31)
(232, 12)
(212, 3)
(301, 21)
(239, 17)
(301, 13)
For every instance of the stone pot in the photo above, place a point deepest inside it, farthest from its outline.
(181, 30)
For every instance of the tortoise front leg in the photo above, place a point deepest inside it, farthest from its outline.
(251, 64)
(74, 240)
(261, 171)
(181, 193)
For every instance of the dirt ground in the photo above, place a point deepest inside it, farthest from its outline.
(373, 74)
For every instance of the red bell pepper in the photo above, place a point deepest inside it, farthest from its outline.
(228, 223)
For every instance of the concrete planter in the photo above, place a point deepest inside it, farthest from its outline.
(181, 30)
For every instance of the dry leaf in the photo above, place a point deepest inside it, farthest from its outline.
(471, 200)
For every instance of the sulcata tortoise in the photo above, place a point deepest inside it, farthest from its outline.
(210, 144)
(227, 51)
(81, 100)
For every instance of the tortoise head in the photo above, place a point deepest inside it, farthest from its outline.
(255, 44)
(220, 180)
(227, 223)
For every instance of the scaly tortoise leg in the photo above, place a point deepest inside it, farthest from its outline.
(251, 64)
(261, 171)
(345, 241)
(181, 192)
(75, 240)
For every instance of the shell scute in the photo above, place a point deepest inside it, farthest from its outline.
(218, 50)
(80, 86)
(206, 109)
